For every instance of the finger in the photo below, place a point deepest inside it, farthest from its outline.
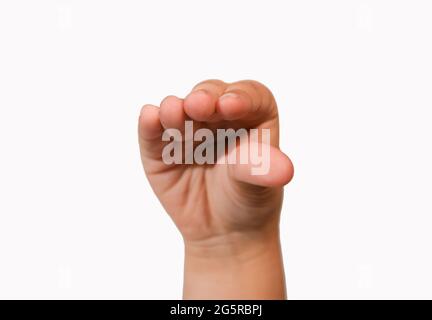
(234, 105)
(274, 171)
(150, 132)
(171, 113)
(200, 104)
(247, 99)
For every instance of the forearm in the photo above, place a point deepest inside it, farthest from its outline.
(236, 267)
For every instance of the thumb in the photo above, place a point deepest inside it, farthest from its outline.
(268, 166)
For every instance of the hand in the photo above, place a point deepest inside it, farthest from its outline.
(221, 209)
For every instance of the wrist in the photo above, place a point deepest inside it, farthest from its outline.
(237, 247)
(242, 265)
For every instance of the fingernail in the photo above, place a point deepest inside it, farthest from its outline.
(228, 95)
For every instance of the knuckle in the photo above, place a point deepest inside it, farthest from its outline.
(256, 85)
(259, 93)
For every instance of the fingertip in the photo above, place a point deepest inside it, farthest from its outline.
(283, 169)
(171, 112)
(149, 125)
(199, 105)
(233, 106)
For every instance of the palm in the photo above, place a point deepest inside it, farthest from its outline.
(210, 200)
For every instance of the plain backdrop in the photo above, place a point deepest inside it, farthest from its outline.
(353, 82)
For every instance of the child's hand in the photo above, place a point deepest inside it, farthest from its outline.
(224, 212)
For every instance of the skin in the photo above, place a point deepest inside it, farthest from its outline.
(229, 218)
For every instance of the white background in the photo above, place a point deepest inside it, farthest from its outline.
(353, 81)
